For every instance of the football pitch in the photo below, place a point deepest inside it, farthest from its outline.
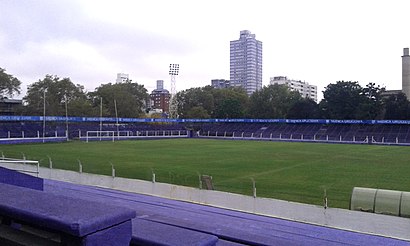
(299, 172)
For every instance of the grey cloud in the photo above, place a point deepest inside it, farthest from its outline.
(28, 25)
(42, 21)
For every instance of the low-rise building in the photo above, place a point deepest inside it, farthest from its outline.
(9, 106)
(305, 89)
(220, 83)
(122, 77)
(160, 97)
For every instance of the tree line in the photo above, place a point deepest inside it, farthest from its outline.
(341, 100)
(60, 96)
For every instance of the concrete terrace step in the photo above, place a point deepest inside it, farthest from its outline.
(229, 226)
(145, 232)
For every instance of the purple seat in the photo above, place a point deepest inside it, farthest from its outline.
(80, 221)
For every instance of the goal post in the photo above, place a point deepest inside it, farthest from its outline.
(100, 135)
(123, 135)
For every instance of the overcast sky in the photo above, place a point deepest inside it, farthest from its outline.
(317, 41)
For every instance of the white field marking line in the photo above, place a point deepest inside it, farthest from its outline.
(264, 173)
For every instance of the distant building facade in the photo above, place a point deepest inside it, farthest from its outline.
(388, 93)
(160, 97)
(304, 88)
(220, 83)
(122, 77)
(246, 62)
(9, 106)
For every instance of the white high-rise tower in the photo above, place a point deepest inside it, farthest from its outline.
(246, 62)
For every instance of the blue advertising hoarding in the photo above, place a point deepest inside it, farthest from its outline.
(147, 120)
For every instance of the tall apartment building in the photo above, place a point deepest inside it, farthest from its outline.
(220, 83)
(304, 88)
(160, 97)
(122, 77)
(246, 62)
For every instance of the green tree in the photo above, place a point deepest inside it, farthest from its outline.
(397, 107)
(371, 106)
(130, 99)
(81, 106)
(348, 100)
(273, 101)
(195, 97)
(197, 112)
(9, 85)
(57, 93)
(304, 109)
(230, 103)
(341, 100)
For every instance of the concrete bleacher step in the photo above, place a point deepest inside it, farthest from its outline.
(52, 236)
(227, 243)
(145, 232)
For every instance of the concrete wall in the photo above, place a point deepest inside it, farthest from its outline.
(384, 225)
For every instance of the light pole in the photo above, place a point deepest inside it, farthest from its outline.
(44, 113)
(116, 116)
(173, 104)
(101, 114)
(66, 116)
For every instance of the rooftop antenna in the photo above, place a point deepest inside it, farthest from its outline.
(173, 104)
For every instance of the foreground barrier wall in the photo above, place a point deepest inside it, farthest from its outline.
(8, 176)
(384, 225)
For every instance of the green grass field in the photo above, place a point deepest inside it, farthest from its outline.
(291, 171)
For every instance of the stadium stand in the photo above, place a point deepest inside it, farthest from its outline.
(82, 210)
(32, 128)
(349, 133)
(31, 132)
(227, 225)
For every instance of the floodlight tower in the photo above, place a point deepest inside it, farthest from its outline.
(173, 104)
